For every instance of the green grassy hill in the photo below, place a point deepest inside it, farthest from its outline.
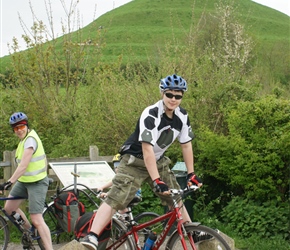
(141, 27)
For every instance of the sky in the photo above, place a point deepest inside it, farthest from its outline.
(88, 10)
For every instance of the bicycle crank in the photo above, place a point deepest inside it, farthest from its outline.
(26, 241)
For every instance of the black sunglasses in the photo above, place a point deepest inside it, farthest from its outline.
(170, 96)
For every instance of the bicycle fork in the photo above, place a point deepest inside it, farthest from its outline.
(182, 231)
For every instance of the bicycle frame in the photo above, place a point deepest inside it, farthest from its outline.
(11, 218)
(172, 216)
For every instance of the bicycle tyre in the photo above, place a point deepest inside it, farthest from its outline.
(58, 235)
(117, 230)
(144, 217)
(199, 233)
(4, 233)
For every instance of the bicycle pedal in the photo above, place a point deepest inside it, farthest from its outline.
(26, 248)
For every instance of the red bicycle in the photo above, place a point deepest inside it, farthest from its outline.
(186, 236)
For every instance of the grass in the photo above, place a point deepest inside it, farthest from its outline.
(148, 24)
(140, 28)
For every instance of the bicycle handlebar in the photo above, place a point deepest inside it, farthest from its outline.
(173, 192)
(99, 193)
(188, 189)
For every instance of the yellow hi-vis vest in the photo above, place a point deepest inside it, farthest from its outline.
(37, 167)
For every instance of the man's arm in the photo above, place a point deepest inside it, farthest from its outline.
(150, 161)
(188, 156)
(189, 162)
(105, 186)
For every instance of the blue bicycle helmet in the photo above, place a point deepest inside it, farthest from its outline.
(18, 117)
(173, 82)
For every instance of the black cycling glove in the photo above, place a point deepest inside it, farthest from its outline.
(159, 186)
(193, 179)
(5, 185)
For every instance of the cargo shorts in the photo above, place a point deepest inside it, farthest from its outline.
(132, 173)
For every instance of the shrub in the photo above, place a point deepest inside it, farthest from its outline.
(265, 220)
(150, 202)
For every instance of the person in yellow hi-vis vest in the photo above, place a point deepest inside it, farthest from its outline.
(30, 177)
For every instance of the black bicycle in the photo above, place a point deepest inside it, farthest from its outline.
(29, 238)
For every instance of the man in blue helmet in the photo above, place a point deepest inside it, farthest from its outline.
(143, 159)
(30, 177)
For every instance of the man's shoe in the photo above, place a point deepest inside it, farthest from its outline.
(90, 242)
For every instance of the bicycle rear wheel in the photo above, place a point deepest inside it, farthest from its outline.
(4, 233)
(115, 241)
(202, 236)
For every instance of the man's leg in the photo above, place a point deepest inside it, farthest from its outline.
(43, 230)
(126, 182)
(13, 206)
(101, 220)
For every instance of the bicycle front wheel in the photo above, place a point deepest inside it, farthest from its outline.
(4, 233)
(198, 237)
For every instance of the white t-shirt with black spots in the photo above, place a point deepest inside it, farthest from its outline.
(160, 131)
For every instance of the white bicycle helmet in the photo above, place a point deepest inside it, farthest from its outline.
(17, 117)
